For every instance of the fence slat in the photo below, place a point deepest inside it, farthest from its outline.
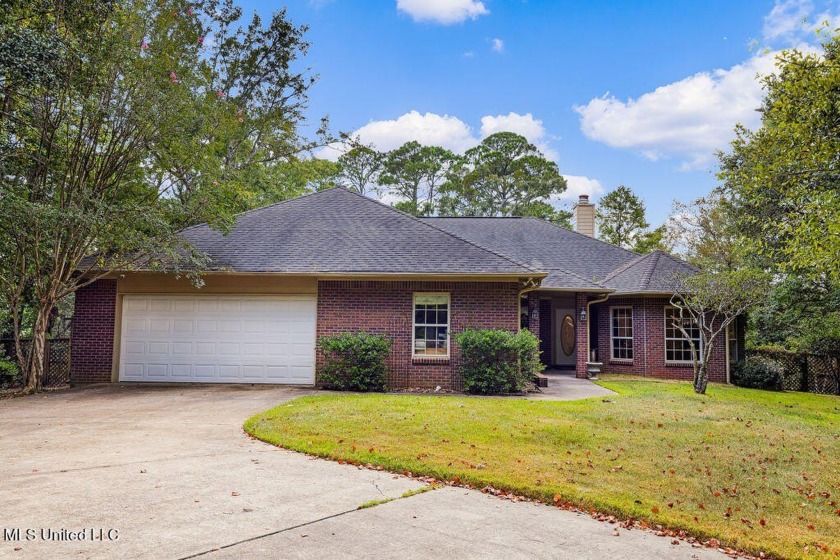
(56, 359)
(802, 372)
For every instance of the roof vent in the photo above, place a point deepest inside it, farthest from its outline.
(585, 216)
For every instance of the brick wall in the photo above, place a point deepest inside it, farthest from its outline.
(387, 308)
(92, 337)
(649, 342)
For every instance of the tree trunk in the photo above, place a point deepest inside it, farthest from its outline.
(34, 371)
(701, 378)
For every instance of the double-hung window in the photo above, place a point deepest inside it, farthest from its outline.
(621, 333)
(431, 325)
(677, 346)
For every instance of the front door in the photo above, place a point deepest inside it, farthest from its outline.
(565, 333)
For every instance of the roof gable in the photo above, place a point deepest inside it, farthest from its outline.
(338, 231)
(650, 273)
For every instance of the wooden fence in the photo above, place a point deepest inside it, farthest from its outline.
(56, 359)
(803, 372)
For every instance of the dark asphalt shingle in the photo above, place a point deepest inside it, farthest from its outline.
(337, 231)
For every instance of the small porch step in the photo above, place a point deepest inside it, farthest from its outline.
(541, 380)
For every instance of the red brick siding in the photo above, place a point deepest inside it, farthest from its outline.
(581, 328)
(649, 342)
(545, 334)
(387, 308)
(92, 337)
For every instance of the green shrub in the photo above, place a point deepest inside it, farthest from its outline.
(355, 361)
(759, 372)
(9, 374)
(495, 362)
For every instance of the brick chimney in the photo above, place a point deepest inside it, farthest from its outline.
(585, 216)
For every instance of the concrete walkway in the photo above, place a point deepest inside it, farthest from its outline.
(169, 471)
(564, 386)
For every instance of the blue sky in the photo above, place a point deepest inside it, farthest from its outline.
(634, 93)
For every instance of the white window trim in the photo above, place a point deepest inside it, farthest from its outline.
(666, 339)
(414, 354)
(631, 337)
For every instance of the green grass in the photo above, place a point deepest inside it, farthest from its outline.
(655, 452)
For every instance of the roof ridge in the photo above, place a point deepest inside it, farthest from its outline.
(581, 234)
(266, 207)
(625, 266)
(677, 259)
(649, 272)
(450, 234)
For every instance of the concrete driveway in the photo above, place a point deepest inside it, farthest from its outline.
(170, 473)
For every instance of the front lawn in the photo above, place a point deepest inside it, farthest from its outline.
(758, 470)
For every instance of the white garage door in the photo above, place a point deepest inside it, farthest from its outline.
(218, 339)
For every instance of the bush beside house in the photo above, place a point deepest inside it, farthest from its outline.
(759, 372)
(355, 361)
(496, 361)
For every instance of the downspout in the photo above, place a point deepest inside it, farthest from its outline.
(604, 298)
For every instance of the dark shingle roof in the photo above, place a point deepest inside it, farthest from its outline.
(337, 231)
(651, 273)
(572, 259)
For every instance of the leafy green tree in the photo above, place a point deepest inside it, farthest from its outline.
(705, 232)
(360, 168)
(118, 126)
(621, 217)
(711, 302)
(505, 175)
(656, 239)
(414, 174)
(784, 177)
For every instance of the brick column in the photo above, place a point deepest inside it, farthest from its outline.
(92, 336)
(582, 327)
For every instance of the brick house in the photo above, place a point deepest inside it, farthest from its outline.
(335, 261)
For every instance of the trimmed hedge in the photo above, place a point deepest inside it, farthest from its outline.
(759, 372)
(355, 361)
(496, 362)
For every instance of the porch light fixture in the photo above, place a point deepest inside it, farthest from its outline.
(583, 315)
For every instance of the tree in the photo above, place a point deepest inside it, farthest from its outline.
(360, 168)
(784, 177)
(709, 303)
(118, 126)
(505, 175)
(621, 217)
(414, 174)
(654, 240)
(705, 233)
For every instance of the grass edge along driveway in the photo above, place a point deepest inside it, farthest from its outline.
(757, 470)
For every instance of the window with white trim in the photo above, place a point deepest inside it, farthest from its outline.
(677, 347)
(431, 325)
(621, 333)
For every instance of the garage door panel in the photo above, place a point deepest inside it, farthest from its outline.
(223, 339)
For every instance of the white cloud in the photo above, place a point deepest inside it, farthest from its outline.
(432, 129)
(692, 118)
(577, 185)
(787, 20)
(498, 45)
(526, 125)
(445, 12)
(689, 119)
